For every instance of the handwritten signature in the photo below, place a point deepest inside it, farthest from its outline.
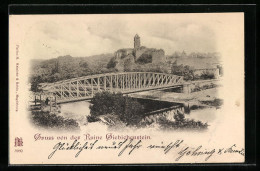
(129, 146)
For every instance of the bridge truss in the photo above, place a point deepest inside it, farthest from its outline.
(82, 88)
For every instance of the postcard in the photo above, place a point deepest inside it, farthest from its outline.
(126, 88)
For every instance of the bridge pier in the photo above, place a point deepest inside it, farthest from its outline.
(186, 88)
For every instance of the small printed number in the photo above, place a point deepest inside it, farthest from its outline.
(19, 150)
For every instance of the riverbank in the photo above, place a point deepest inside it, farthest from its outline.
(198, 98)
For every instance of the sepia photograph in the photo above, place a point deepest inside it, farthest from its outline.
(126, 88)
(127, 80)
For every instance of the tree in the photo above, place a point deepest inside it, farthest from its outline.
(207, 75)
(127, 109)
(112, 63)
(103, 103)
(35, 83)
(185, 71)
(83, 64)
(133, 110)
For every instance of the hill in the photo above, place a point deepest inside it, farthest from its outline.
(66, 67)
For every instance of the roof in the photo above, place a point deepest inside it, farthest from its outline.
(137, 36)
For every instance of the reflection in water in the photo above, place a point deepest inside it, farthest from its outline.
(79, 110)
(205, 115)
(186, 108)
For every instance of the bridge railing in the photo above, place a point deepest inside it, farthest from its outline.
(85, 87)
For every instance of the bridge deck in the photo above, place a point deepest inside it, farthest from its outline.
(83, 88)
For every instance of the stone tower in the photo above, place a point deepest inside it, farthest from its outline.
(137, 43)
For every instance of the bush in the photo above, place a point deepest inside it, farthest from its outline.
(47, 120)
(207, 75)
(112, 63)
(91, 118)
(185, 71)
(179, 117)
(182, 123)
(204, 87)
(128, 109)
(144, 59)
(216, 102)
(35, 83)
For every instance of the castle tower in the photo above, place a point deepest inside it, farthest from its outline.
(137, 43)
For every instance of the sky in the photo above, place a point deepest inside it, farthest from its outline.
(49, 36)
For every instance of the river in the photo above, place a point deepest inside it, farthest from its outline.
(79, 111)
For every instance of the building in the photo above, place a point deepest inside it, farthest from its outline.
(137, 42)
(140, 53)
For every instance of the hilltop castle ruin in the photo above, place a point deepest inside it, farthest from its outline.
(141, 54)
(137, 42)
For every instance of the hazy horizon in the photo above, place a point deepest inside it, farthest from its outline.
(51, 36)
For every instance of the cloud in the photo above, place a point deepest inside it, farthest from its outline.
(186, 36)
(107, 30)
(88, 35)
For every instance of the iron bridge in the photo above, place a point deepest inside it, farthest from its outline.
(83, 88)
